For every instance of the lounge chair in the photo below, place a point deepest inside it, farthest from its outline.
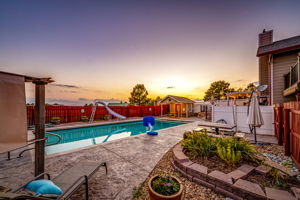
(69, 181)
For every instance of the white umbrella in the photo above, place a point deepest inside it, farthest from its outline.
(255, 118)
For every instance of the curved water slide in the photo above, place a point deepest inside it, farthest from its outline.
(107, 108)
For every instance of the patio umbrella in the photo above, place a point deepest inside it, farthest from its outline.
(254, 118)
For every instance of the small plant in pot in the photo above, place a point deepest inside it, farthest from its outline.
(55, 120)
(165, 187)
(84, 118)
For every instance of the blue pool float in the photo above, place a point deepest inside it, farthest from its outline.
(149, 122)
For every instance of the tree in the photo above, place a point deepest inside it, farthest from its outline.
(251, 87)
(139, 96)
(218, 90)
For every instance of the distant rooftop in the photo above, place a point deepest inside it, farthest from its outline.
(288, 44)
(178, 99)
(118, 104)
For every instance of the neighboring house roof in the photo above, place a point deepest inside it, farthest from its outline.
(178, 99)
(280, 46)
(118, 104)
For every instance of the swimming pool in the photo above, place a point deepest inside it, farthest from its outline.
(74, 138)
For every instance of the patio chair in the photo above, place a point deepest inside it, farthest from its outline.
(69, 181)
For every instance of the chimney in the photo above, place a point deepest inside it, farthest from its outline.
(265, 38)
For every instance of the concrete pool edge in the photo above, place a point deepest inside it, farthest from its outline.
(108, 123)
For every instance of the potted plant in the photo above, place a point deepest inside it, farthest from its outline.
(55, 120)
(84, 118)
(165, 187)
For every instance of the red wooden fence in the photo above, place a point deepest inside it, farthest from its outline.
(74, 113)
(287, 128)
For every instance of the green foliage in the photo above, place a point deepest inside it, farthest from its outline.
(138, 191)
(230, 149)
(233, 150)
(199, 144)
(139, 96)
(218, 90)
(84, 117)
(165, 185)
(55, 118)
(279, 180)
(250, 87)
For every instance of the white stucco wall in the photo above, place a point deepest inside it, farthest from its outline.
(226, 113)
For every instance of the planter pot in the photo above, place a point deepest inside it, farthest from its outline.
(56, 121)
(155, 196)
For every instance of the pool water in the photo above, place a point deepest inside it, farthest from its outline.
(85, 136)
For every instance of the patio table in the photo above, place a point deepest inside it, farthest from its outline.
(217, 126)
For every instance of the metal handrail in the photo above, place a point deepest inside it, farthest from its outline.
(59, 139)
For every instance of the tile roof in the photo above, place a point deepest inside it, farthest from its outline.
(280, 46)
(178, 99)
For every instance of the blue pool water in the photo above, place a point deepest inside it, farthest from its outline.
(81, 137)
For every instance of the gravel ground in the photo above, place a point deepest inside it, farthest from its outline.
(275, 153)
(192, 190)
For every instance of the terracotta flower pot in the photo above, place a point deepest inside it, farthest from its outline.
(155, 196)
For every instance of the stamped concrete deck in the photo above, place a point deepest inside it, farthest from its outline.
(129, 160)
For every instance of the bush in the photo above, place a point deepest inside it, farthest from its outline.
(55, 118)
(233, 150)
(165, 185)
(230, 149)
(199, 144)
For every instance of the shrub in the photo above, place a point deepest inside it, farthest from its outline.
(165, 185)
(199, 144)
(233, 150)
(55, 118)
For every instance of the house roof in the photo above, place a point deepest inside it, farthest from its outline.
(30, 78)
(280, 46)
(178, 99)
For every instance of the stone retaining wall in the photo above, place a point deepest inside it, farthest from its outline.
(230, 185)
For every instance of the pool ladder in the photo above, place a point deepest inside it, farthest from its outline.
(93, 113)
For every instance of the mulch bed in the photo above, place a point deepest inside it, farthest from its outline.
(192, 190)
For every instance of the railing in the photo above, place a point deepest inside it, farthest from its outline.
(292, 77)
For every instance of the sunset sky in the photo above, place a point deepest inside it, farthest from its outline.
(101, 49)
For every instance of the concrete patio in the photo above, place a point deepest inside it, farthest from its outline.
(130, 160)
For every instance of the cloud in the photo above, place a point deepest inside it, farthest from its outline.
(65, 86)
(240, 80)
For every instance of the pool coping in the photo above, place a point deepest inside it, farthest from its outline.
(30, 132)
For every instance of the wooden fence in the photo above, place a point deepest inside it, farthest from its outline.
(287, 128)
(74, 113)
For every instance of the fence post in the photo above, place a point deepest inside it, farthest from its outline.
(286, 134)
(280, 126)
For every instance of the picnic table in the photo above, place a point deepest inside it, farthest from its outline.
(218, 126)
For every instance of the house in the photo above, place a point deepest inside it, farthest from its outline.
(279, 67)
(179, 106)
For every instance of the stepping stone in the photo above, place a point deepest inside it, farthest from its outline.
(250, 187)
(296, 192)
(237, 174)
(275, 194)
(263, 169)
(241, 172)
(246, 168)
